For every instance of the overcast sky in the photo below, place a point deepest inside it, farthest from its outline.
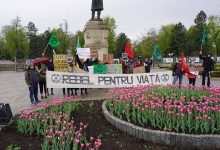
(133, 17)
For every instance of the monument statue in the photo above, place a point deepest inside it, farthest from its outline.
(97, 5)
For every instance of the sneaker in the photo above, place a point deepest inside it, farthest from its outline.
(52, 94)
(38, 101)
(45, 96)
(42, 97)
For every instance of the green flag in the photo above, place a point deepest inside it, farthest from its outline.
(54, 42)
(204, 37)
(100, 69)
(156, 52)
(78, 44)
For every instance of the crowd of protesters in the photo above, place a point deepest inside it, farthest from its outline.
(192, 72)
(36, 74)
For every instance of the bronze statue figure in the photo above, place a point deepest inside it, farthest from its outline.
(97, 5)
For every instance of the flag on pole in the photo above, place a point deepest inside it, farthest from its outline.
(204, 37)
(54, 53)
(184, 66)
(78, 44)
(54, 42)
(156, 52)
(128, 50)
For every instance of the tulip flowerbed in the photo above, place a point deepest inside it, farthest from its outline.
(56, 127)
(192, 110)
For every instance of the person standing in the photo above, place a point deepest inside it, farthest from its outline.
(71, 66)
(42, 80)
(147, 65)
(50, 67)
(84, 67)
(139, 62)
(208, 65)
(31, 78)
(178, 71)
(193, 73)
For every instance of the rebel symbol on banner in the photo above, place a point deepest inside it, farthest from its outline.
(165, 77)
(55, 78)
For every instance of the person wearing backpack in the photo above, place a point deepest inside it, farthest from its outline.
(208, 65)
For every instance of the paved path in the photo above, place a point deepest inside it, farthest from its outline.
(14, 91)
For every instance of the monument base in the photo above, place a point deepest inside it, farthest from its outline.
(96, 38)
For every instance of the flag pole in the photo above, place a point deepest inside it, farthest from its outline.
(45, 49)
(201, 47)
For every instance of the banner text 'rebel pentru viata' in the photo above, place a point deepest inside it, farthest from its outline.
(84, 80)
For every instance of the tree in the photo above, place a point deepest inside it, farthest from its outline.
(16, 40)
(78, 35)
(33, 38)
(111, 25)
(2, 47)
(200, 19)
(164, 39)
(214, 34)
(200, 25)
(178, 39)
(121, 41)
(63, 36)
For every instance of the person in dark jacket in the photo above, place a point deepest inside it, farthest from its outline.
(208, 65)
(178, 71)
(31, 78)
(42, 80)
(147, 65)
(50, 67)
(84, 67)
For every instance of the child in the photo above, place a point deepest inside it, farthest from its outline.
(192, 75)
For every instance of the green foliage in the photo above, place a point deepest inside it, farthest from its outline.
(111, 25)
(178, 39)
(121, 40)
(215, 74)
(79, 34)
(164, 39)
(200, 19)
(63, 37)
(13, 147)
(213, 27)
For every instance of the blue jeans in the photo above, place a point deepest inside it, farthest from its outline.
(33, 93)
(176, 77)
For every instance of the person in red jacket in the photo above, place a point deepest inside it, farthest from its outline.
(193, 73)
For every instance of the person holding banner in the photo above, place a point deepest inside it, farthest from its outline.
(193, 73)
(50, 67)
(71, 64)
(208, 65)
(84, 67)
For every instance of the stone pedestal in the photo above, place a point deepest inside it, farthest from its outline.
(96, 38)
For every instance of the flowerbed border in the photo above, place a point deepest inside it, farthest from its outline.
(185, 141)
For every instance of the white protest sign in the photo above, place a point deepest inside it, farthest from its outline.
(167, 60)
(84, 53)
(76, 80)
